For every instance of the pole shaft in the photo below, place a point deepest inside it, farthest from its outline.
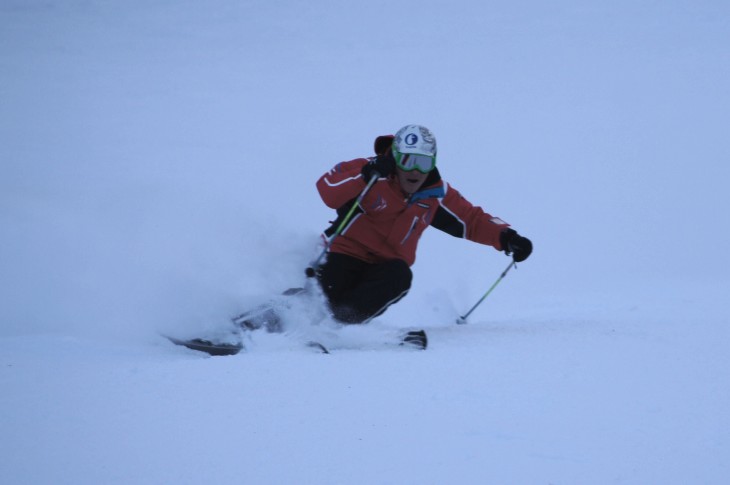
(494, 285)
(345, 221)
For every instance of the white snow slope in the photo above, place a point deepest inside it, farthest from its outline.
(157, 169)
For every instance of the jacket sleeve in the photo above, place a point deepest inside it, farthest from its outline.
(342, 183)
(458, 217)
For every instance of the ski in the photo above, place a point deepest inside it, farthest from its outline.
(412, 339)
(415, 339)
(223, 349)
(210, 348)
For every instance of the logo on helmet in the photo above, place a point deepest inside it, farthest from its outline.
(411, 139)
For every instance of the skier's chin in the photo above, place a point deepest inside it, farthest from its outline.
(410, 186)
(410, 182)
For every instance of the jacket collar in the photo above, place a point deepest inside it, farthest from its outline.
(432, 188)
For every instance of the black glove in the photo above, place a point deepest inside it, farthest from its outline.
(520, 247)
(382, 144)
(384, 165)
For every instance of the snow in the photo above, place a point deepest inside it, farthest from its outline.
(158, 161)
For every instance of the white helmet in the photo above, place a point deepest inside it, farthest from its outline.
(415, 140)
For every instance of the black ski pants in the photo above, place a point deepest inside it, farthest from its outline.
(358, 291)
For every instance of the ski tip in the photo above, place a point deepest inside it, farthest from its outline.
(415, 339)
(318, 346)
(210, 348)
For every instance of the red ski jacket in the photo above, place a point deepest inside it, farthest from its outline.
(387, 224)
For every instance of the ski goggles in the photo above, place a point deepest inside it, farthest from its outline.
(414, 161)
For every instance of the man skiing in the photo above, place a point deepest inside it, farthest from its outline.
(367, 268)
(384, 204)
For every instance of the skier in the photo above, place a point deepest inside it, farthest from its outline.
(384, 204)
(367, 268)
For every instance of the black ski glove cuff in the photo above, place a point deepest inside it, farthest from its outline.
(512, 243)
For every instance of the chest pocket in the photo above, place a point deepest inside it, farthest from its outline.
(413, 222)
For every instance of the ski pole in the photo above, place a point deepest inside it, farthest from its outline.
(313, 267)
(462, 319)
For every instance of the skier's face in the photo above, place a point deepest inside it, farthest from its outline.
(411, 181)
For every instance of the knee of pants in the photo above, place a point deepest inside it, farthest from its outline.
(347, 315)
(400, 273)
